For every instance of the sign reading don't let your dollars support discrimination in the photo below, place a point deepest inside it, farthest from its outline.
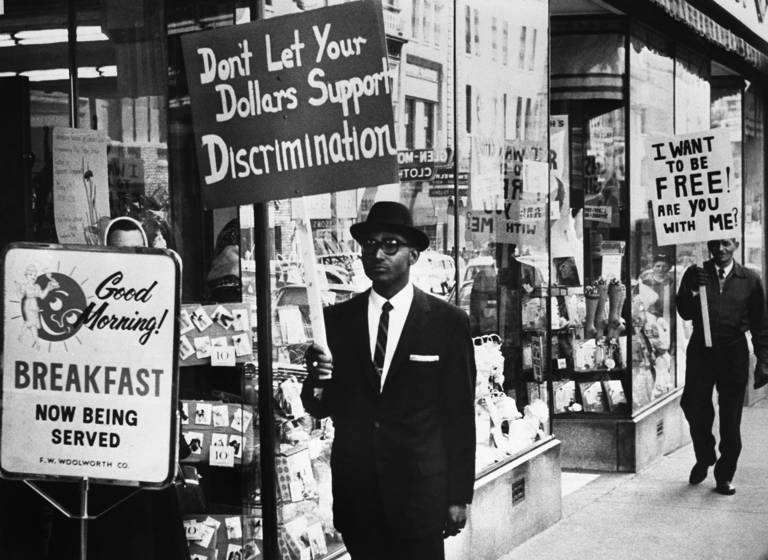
(293, 105)
(89, 364)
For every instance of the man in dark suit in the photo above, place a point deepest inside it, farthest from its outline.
(398, 381)
(736, 303)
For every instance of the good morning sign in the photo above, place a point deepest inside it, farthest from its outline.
(293, 105)
(89, 364)
(691, 185)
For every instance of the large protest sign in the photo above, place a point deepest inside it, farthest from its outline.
(89, 364)
(691, 187)
(292, 105)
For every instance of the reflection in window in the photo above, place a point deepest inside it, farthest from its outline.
(505, 43)
(754, 179)
(494, 38)
(467, 30)
(532, 62)
(653, 268)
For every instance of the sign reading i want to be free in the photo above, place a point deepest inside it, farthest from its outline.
(293, 105)
(691, 186)
(89, 364)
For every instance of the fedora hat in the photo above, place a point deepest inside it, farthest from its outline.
(390, 216)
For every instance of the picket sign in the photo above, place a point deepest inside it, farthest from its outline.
(693, 198)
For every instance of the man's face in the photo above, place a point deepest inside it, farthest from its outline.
(722, 251)
(388, 271)
(121, 238)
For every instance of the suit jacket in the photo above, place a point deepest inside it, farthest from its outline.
(740, 307)
(410, 448)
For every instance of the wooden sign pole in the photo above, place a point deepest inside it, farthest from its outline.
(312, 278)
(705, 316)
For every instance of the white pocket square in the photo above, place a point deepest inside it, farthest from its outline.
(424, 358)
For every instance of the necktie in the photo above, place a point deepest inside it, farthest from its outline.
(721, 277)
(381, 338)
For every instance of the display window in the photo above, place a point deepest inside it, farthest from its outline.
(632, 341)
(590, 353)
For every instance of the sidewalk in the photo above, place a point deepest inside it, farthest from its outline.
(655, 514)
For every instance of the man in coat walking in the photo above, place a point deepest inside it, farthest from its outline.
(398, 380)
(736, 303)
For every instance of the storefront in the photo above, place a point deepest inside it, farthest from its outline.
(621, 72)
(115, 72)
(521, 126)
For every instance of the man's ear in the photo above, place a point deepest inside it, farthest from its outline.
(413, 256)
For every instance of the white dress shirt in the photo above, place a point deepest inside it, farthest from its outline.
(726, 270)
(401, 305)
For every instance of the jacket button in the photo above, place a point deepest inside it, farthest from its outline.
(376, 424)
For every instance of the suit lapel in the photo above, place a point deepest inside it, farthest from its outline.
(363, 342)
(414, 324)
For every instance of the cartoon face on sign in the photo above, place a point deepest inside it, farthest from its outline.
(51, 305)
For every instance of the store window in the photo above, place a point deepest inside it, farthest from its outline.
(589, 245)
(503, 258)
(754, 179)
(653, 269)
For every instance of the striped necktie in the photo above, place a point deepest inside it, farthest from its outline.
(721, 277)
(381, 339)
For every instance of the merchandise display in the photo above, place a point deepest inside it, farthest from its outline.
(211, 537)
(502, 428)
(303, 465)
(217, 433)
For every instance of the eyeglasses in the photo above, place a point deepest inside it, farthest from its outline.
(389, 245)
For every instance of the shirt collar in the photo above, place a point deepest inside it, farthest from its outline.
(727, 269)
(401, 300)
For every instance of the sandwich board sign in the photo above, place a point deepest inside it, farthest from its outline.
(89, 364)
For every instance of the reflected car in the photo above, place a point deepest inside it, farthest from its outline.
(476, 265)
(477, 298)
(296, 294)
(434, 272)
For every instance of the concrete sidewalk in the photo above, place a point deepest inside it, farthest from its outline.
(655, 514)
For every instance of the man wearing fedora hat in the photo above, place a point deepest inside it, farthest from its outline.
(398, 380)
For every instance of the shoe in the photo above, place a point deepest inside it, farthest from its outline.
(725, 488)
(698, 473)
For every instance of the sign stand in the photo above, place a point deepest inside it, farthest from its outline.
(83, 516)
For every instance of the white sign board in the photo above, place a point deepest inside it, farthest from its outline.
(89, 364)
(691, 187)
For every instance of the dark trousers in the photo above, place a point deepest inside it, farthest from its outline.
(372, 538)
(379, 544)
(725, 369)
